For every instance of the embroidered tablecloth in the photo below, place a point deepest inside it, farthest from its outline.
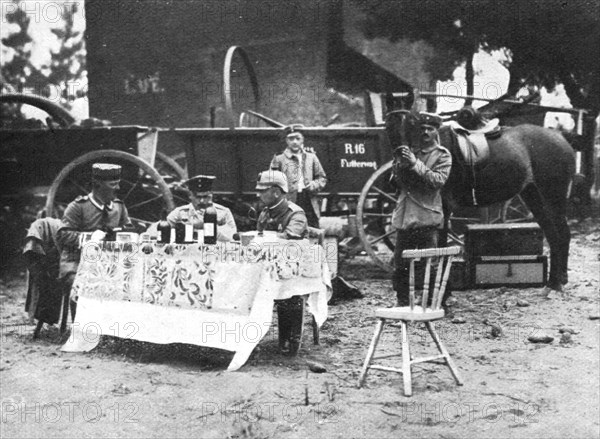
(217, 296)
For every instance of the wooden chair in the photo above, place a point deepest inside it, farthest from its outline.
(440, 260)
(42, 256)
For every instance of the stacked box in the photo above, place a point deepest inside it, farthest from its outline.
(506, 255)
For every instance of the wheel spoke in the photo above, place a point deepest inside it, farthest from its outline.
(385, 194)
(377, 215)
(376, 223)
(78, 186)
(133, 186)
(385, 235)
(150, 200)
(139, 220)
(180, 198)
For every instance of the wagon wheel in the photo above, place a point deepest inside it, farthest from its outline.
(174, 175)
(515, 210)
(144, 192)
(229, 68)
(374, 216)
(168, 167)
(58, 113)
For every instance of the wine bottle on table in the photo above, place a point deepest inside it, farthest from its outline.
(179, 233)
(210, 225)
(164, 232)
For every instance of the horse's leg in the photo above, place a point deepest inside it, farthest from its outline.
(556, 202)
(565, 240)
(540, 209)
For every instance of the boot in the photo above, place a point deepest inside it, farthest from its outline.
(283, 326)
(290, 313)
(296, 317)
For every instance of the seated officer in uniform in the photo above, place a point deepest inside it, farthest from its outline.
(201, 197)
(280, 215)
(289, 221)
(99, 212)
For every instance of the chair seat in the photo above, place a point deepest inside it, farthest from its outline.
(437, 272)
(417, 314)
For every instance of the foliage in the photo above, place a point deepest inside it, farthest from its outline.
(54, 81)
(550, 41)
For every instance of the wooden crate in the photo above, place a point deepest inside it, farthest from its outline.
(503, 240)
(518, 271)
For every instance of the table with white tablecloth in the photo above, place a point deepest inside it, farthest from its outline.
(218, 296)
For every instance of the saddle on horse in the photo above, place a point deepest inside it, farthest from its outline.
(472, 131)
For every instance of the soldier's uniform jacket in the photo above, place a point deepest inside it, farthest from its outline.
(312, 173)
(86, 214)
(189, 215)
(420, 200)
(286, 218)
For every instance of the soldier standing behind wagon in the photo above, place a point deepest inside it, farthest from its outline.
(305, 175)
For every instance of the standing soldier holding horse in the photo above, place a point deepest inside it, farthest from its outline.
(419, 174)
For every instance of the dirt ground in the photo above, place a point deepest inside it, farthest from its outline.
(513, 388)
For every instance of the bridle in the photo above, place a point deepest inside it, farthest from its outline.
(403, 113)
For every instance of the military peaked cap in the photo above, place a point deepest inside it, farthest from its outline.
(106, 171)
(293, 129)
(430, 119)
(200, 183)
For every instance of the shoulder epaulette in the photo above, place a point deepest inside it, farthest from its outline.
(443, 148)
(220, 206)
(116, 200)
(294, 207)
(81, 198)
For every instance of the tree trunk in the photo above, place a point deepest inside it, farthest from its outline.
(470, 76)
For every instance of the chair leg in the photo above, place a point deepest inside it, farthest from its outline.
(65, 313)
(444, 352)
(406, 358)
(315, 331)
(371, 352)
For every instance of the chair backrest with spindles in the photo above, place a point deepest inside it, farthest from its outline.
(438, 259)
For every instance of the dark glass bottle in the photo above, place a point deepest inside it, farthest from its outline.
(210, 225)
(179, 233)
(164, 232)
(111, 234)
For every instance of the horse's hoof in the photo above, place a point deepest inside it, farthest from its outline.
(564, 279)
(556, 286)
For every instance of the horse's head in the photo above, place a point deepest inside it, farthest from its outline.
(402, 127)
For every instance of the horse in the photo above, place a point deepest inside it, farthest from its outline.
(527, 160)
